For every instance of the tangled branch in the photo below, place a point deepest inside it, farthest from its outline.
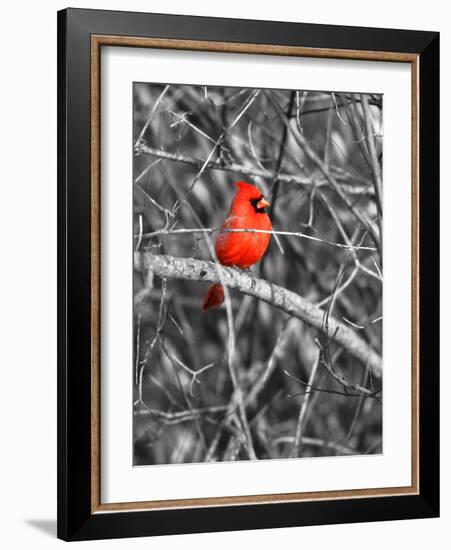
(247, 170)
(199, 270)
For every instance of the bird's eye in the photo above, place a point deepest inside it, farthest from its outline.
(256, 200)
(259, 203)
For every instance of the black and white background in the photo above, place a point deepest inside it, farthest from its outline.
(250, 381)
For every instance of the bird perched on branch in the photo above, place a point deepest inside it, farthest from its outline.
(241, 249)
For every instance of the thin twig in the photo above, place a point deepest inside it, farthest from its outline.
(152, 112)
(162, 314)
(295, 451)
(193, 373)
(313, 157)
(375, 166)
(182, 118)
(248, 170)
(140, 234)
(245, 106)
(180, 416)
(337, 110)
(313, 389)
(210, 230)
(340, 377)
(366, 325)
(314, 442)
(281, 342)
(157, 205)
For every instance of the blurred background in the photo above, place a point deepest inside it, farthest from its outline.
(296, 405)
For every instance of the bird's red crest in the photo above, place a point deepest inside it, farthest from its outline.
(250, 190)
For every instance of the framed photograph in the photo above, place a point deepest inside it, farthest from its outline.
(248, 274)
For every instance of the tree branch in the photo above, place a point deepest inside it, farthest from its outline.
(199, 270)
(374, 162)
(247, 170)
(313, 157)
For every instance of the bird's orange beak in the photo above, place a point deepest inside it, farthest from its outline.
(262, 203)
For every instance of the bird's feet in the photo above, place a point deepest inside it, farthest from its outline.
(246, 271)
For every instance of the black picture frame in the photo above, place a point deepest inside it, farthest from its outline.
(76, 521)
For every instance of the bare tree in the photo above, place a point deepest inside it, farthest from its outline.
(291, 366)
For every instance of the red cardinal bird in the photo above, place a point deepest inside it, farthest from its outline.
(241, 249)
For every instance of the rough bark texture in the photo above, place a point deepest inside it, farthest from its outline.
(199, 270)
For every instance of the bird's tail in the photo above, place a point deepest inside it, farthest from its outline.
(214, 297)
